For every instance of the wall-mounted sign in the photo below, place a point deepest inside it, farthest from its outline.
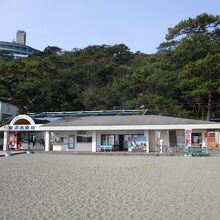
(21, 127)
(137, 143)
(71, 142)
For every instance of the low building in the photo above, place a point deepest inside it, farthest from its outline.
(143, 133)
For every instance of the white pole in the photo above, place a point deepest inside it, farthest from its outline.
(204, 143)
(161, 146)
(47, 141)
(94, 136)
(146, 134)
(5, 141)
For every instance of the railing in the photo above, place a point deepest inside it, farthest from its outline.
(167, 149)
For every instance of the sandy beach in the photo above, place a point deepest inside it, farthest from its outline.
(49, 186)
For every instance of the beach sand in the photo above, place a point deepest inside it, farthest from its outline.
(56, 186)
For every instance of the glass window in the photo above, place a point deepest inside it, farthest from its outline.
(82, 133)
(84, 139)
(58, 140)
(196, 138)
(109, 139)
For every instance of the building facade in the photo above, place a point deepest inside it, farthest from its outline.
(17, 48)
(142, 133)
(21, 37)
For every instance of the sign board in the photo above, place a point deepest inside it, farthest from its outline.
(22, 127)
(188, 137)
(137, 143)
(71, 142)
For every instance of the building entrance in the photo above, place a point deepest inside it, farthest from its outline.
(26, 140)
(121, 143)
(23, 133)
(128, 142)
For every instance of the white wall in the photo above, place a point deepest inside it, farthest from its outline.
(64, 146)
(85, 146)
(164, 135)
(151, 140)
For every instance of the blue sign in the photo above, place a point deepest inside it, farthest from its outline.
(71, 142)
(21, 127)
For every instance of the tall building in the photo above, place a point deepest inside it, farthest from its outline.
(21, 37)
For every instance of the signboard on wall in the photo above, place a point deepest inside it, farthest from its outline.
(22, 128)
(188, 137)
(137, 143)
(71, 142)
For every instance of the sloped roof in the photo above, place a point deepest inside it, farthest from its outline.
(124, 120)
(39, 121)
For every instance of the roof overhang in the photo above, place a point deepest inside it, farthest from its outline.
(129, 127)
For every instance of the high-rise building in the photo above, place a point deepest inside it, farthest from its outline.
(21, 37)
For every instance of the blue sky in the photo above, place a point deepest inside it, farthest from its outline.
(140, 24)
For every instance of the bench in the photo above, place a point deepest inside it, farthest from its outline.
(196, 151)
(104, 148)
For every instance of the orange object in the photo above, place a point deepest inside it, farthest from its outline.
(211, 140)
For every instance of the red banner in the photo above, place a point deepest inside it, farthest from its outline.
(188, 134)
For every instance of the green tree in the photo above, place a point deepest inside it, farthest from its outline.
(203, 86)
(194, 45)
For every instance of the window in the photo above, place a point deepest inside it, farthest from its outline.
(196, 138)
(82, 133)
(60, 140)
(84, 137)
(109, 139)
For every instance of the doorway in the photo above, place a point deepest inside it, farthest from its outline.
(121, 142)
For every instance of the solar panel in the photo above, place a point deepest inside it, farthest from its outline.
(59, 115)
